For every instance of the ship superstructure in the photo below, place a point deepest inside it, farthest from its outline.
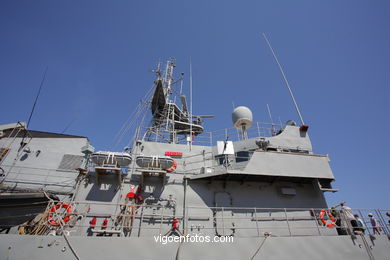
(255, 182)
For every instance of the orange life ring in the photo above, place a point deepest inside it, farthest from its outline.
(330, 216)
(53, 210)
(173, 167)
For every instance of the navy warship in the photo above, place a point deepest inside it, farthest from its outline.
(253, 191)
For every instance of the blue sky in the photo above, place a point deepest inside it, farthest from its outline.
(335, 53)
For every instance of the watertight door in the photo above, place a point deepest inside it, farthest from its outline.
(223, 214)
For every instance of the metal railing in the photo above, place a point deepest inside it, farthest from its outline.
(38, 176)
(259, 129)
(155, 219)
(201, 162)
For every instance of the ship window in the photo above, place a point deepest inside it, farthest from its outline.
(220, 158)
(3, 153)
(243, 156)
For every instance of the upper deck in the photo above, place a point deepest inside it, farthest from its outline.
(259, 129)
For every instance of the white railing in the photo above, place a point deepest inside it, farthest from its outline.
(259, 129)
(221, 221)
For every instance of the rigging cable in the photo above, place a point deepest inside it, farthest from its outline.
(130, 121)
(267, 235)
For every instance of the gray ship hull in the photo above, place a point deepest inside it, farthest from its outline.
(307, 247)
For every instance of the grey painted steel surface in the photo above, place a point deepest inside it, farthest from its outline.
(37, 164)
(12, 125)
(288, 164)
(54, 247)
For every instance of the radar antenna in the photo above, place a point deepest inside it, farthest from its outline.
(242, 120)
(171, 122)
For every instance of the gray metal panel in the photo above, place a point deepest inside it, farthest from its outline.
(289, 164)
(291, 137)
(312, 247)
(39, 167)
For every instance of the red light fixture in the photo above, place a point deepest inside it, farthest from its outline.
(303, 128)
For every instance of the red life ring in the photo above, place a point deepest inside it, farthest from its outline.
(53, 210)
(330, 216)
(173, 168)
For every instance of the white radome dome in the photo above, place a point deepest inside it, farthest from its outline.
(242, 116)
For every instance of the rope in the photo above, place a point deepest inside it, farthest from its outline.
(178, 250)
(267, 235)
(65, 237)
(70, 245)
(131, 120)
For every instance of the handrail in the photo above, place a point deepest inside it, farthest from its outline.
(259, 129)
(248, 220)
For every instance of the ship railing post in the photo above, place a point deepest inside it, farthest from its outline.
(162, 218)
(50, 204)
(258, 129)
(223, 222)
(362, 217)
(185, 228)
(141, 220)
(316, 221)
(123, 220)
(348, 223)
(211, 139)
(257, 224)
(382, 222)
(288, 224)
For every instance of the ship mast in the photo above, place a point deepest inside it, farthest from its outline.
(170, 122)
(168, 79)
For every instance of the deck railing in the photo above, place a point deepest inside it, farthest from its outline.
(259, 129)
(148, 220)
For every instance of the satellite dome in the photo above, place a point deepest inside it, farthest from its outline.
(291, 122)
(242, 117)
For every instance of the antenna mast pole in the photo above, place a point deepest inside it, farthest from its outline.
(190, 104)
(269, 113)
(272, 121)
(169, 78)
(285, 79)
(36, 98)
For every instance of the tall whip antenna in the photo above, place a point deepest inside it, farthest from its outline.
(269, 114)
(36, 98)
(272, 121)
(285, 79)
(191, 135)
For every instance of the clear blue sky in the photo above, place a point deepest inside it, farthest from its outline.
(336, 56)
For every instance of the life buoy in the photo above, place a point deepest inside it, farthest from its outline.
(173, 167)
(53, 210)
(330, 216)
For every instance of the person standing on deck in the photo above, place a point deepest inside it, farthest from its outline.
(360, 223)
(348, 215)
(376, 227)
